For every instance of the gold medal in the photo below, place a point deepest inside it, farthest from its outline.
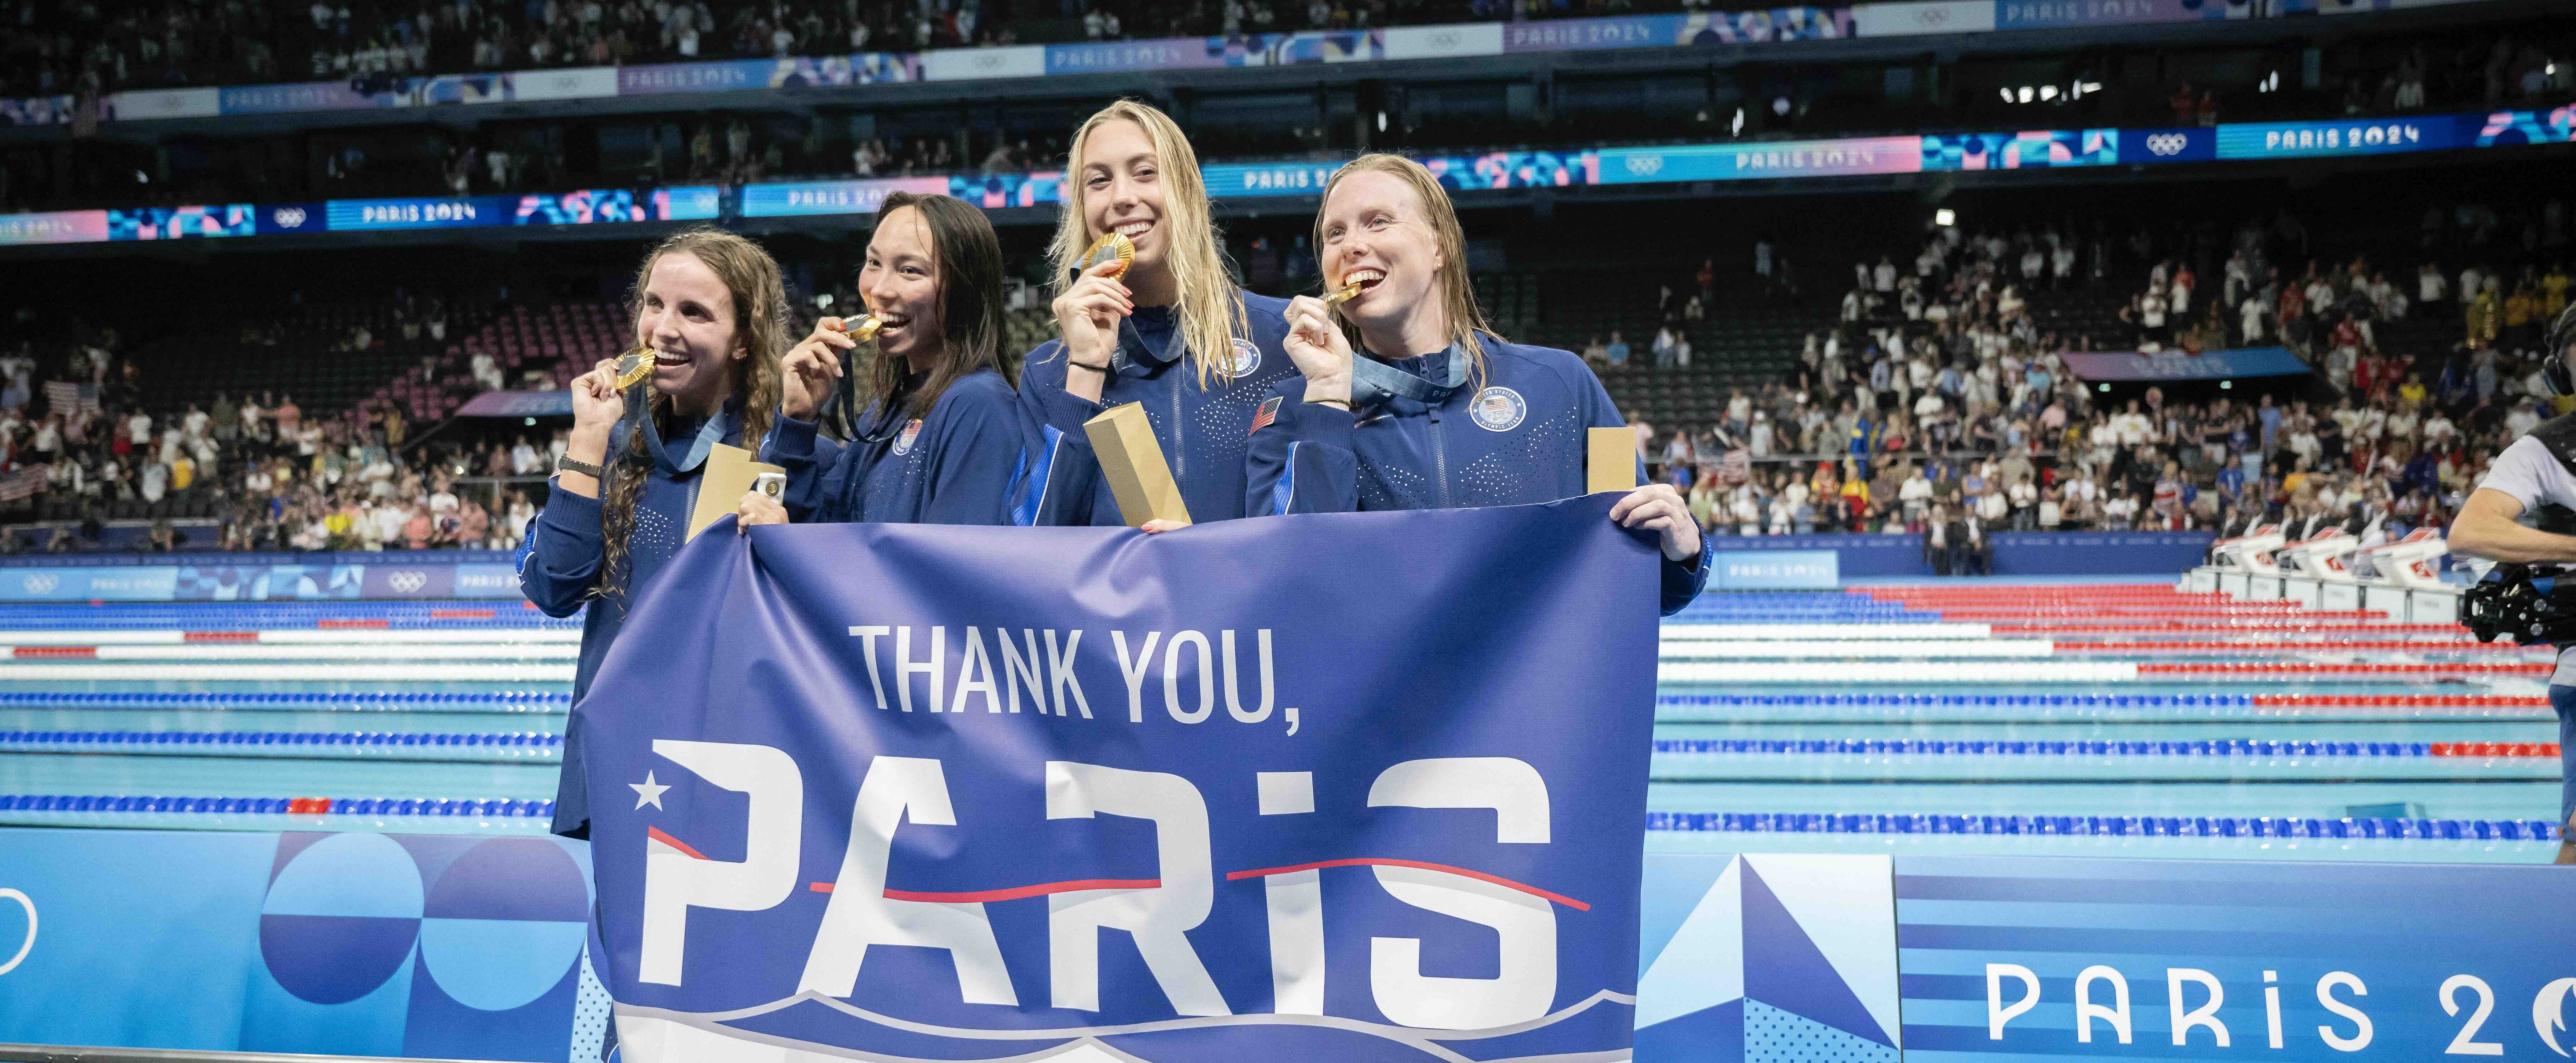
(1111, 245)
(1348, 293)
(863, 329)
(633, 367)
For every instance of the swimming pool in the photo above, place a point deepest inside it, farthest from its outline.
(1960, 719)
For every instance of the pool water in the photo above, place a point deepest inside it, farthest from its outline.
(1959, 718)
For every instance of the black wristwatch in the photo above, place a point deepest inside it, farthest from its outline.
(567, 464)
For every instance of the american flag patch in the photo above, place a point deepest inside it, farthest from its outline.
(1736, 467)
(67, 397)
(22, 485)
(1268, 412)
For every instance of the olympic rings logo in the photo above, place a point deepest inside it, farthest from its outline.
(288, 217)
(28, 945)
(1645, 165)
(407, 581)
(2166, 143)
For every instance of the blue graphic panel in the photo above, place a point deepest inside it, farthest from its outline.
(2301, 962)
(2377, 136)
(247, 582)
(1744, 570)
(451, 947)
(354, 215)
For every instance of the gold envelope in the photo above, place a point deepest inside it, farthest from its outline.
(728, 473)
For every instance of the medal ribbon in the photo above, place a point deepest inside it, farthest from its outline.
(1374, 382)
(639, 419)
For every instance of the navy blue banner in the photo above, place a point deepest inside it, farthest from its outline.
(1230, 792)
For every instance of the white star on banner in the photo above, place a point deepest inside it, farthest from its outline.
(646, 793)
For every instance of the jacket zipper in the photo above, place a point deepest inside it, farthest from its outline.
(1180, 453)
(1440, 457)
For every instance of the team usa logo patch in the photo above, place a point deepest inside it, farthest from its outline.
(1268, 412)
(1245, 358)
(911, 433)
(1498, 409)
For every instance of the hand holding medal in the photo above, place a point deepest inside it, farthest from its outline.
(1111, 247)
(813, 368)
(1316, 343)
(633, 367)
(862, 330)
(1091, 306)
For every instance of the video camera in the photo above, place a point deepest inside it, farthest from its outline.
(2534, 604)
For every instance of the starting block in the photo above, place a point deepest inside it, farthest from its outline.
(2251, 552)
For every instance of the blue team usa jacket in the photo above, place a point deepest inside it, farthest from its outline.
(1517, 440)
(959, 465)
(1202, 431)
(559, 564)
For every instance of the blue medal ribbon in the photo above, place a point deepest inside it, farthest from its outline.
(1374, 382)
(639, 419)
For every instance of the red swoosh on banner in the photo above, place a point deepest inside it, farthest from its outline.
(1380, 861)
(1012, 894)
(656, 834)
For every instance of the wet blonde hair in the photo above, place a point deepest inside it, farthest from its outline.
(759, 294)
(1467, 325)
(1209, 307)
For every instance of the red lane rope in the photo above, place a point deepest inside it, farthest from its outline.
(219, 636)
(1380, 861)
(2257, 627)
(2442, 701)
(2274, 646)
(336, 625)
(2308, 668)
(2495, 749)
(2134, 614)
(80, 652)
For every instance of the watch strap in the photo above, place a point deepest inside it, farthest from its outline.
(567, 464)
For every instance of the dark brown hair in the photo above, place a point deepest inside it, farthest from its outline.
(968, 257)
(759, 294)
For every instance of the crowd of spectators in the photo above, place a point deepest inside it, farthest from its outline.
(2484, 70)
(1939, 406)
(1934, 400)
(79, 451)
(88, 47)
(85, 46)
